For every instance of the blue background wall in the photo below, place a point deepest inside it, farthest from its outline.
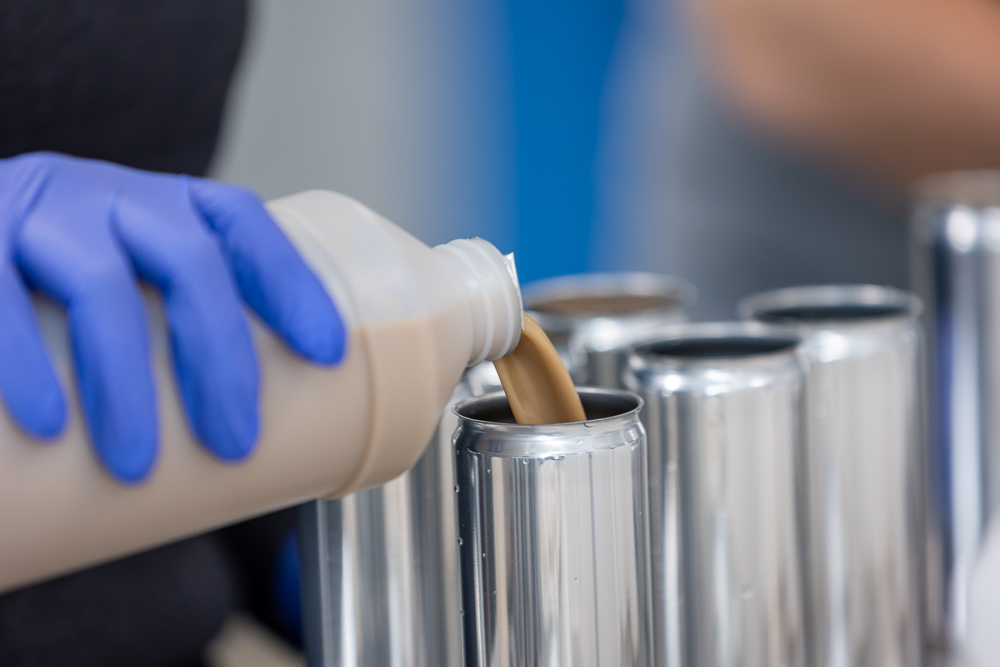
(450, 118)
(559, 52)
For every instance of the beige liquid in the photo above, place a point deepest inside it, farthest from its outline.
(538, 386)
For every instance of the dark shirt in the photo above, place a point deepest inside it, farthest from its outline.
(138, 82)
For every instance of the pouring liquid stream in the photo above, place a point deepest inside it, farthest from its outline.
(538, 386)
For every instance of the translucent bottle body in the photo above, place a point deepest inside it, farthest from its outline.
(416, 318)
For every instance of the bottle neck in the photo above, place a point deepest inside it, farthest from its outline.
(494, 296)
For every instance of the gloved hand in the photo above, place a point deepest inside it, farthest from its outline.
(81, 231)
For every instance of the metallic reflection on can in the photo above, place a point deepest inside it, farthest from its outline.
(592, 317)
(956, 270)
(554, 552)
(722, 413)
(865, 469)
(380, 567)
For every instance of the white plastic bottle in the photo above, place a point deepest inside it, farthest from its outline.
(416, 318)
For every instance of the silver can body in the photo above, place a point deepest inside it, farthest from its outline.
(955, 239)
(592, 317)
(553, 523)
(380, 572)
(864, 470)
(722, 412)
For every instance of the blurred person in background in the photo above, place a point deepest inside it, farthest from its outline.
(755, 144)
(894, 88)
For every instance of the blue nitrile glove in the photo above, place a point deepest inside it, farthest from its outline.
(81, 231)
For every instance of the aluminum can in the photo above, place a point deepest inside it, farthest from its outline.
(865, 470)
(723, 415)
(554, 553)
(955, 243)
(381, 580)
(592, 317)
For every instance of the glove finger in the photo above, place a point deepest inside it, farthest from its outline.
(111, 350)
(67, 250)
(273, 278)
(28, 383)
(213, 353)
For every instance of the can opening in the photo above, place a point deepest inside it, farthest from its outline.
(822, 305)
(836, 312)
(594, 295)
(598, 404)
(725, 346)
(598, 305)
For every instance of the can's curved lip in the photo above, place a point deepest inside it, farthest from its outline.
(504, 438)
(714, 358)
(612, 284)
(631, 403)
(826, 305)
(715, 341)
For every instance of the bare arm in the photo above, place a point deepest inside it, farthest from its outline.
(900, 88)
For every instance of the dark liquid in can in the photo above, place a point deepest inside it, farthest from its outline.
(730, 347)
(836, 313)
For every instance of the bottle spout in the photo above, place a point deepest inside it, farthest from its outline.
(494, 296)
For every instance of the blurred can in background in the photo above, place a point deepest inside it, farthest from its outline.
(554, 535)
(723, 416)
(955, 239)
(864, 469)
(380, 571)
(592, 317)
